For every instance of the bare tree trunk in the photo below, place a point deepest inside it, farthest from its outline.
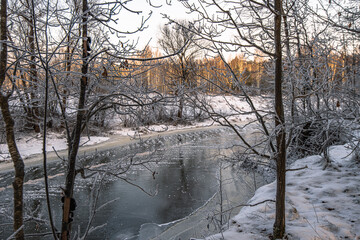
(33, 77)
(18, 165)
(30, 86)
(75, 138)
(293, 111)
(67, 69)
(181, 106)
(9, 125)
(279, 225)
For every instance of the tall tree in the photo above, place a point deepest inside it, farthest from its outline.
(28, 11)
(182, 68)
(5, 93)
(279, 225)
(75, 140)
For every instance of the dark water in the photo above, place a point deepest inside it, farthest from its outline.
(181, 174)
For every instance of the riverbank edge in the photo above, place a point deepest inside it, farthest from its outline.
(116, 140)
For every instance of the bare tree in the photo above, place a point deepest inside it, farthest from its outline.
(279, 225)
(74, 144)
(181, 70)
(7, 87)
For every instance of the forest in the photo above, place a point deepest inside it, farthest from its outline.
(286, 71)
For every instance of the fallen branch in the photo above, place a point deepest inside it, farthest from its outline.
(296, 169)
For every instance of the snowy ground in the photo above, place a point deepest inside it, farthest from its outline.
(30, 145)
(320, 203)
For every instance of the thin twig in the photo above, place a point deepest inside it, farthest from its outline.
(13, 235)
(247, 205)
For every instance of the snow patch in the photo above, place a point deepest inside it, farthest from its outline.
(33, 145)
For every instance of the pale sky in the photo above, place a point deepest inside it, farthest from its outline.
(130, 21)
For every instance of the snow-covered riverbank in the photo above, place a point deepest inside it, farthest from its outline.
(30, 146)
(320, 203)
(93, 145)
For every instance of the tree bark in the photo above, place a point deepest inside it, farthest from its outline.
(279, 225)
(33, 76)
(75, 139)
(30, 86)
(18, 166)
(9, 127)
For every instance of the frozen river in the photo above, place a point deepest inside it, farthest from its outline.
(182, 177)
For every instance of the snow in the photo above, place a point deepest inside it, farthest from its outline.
(236, 108)
(30, 145)
(158, 128)
(320, 203)
(230, 105)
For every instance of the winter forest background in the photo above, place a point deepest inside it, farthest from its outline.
(282, 75)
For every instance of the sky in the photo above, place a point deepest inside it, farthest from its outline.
(130, 21)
